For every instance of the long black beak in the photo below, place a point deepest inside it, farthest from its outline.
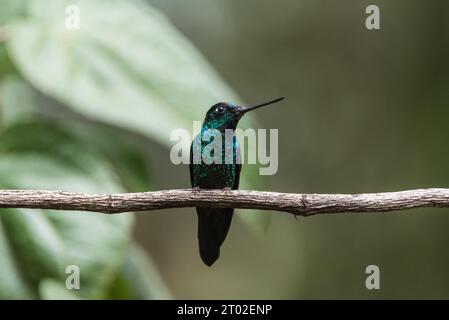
(242, 110)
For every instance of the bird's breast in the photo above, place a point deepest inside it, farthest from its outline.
(216, 176)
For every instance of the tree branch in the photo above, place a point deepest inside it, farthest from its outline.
(295, 203)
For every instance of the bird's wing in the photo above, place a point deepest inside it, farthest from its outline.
(193, 181)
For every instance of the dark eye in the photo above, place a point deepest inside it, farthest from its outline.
(220, 110)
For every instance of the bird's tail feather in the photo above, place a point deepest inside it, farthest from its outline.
(213, 226)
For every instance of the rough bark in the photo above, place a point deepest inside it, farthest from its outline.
(295, 203)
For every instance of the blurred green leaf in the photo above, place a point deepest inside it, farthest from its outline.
(77, 157)
(144, 77)
(142, 276)
(128, 160)
(53, 290)
(42, 242)
(17, 101)
(12, 10)
(6, 65)
(11, 280)
(18, 107)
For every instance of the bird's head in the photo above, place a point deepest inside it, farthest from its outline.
(224, 115)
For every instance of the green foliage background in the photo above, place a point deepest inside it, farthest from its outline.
(92, 109)
(72, 104)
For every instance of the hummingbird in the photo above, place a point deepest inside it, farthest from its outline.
(207, 173)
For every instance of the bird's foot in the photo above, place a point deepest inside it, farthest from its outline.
(296, 215)
(196, 189)
(227, 189)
